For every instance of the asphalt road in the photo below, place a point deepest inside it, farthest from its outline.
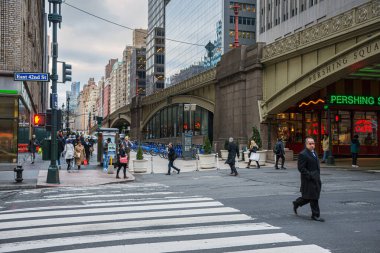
(196, 212)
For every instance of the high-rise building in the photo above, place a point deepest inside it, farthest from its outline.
(279, 19)
(137, 73)
(139, 37)
(109, 67)
(75, 88)
(155, 48)
(190, 26)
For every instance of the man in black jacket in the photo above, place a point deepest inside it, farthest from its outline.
(280, 153)
(233, 151)
(171, 157)
(308, 166)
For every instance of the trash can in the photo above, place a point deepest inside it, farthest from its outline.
(18, 173)
(46, 150)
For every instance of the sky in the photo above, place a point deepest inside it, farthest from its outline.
(87, 43)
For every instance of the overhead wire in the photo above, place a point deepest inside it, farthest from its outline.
(123, 26)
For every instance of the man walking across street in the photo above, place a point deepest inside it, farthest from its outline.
(308, 166)
(233, 151)
(33, 143)
(171, 157)
(280, 153)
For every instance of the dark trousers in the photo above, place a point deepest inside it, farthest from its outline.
(124, 165)
(282, 162)
(171, 165)
(354, 158)
(69, 161)
(313, 205)
(233, 168)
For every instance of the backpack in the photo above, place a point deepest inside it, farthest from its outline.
(277, 148)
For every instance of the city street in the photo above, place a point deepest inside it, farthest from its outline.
(207, 211)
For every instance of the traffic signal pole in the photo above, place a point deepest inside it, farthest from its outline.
(55, 18)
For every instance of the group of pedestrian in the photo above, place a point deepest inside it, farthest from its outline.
(125, 146)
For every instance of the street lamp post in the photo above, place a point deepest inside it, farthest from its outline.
(330, 158)
(67, 115)
(55, 18)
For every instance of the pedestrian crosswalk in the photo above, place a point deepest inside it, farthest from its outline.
(142, 218)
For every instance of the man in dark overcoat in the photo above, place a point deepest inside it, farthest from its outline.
(308, 166)
(233, 150)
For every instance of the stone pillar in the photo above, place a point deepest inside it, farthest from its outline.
(136, 112)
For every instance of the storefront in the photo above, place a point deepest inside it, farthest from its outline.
(15, 126)
(354, 108)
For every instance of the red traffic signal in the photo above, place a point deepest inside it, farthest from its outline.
(337, 118)
(39, 120)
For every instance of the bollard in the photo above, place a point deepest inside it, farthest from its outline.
(110, 167)
(151, 165)
(217, 162)
(18, 173)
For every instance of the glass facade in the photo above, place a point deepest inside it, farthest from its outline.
(173, 120)
(8, 129)
(197, 23)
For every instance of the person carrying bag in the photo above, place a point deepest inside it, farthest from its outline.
(253, 156)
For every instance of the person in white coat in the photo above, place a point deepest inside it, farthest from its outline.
(69, 153)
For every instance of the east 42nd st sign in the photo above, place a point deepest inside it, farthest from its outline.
(36, 77)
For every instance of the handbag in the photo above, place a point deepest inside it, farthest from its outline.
(254, 157)
(85, 162)
(124, 159)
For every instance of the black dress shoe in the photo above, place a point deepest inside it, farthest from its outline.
(167, 174)
(317, 218)
(178, 171)
(295, 206)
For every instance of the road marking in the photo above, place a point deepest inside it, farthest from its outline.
(77, 228)
(312, 248)
(77, 240)
(108, 210)
(113, 217)
(203, 244)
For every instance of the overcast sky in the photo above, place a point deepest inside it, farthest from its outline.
(87, 43)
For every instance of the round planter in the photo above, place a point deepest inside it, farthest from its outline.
(140, 166)
(207, 161)
(224, 154)
(246, 159)
(263, 157)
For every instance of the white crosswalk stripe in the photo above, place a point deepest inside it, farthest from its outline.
(112, 223)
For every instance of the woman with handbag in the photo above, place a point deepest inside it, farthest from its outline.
(69, 153)
(252, 152)
(123, 160)
(79, 154)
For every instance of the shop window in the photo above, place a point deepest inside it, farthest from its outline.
(365, 126)
(197, 121)
(204, 123)
(8, 140)
(312, 125)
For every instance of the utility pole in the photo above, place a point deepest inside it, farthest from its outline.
(55, 18)
(67, 115)
(89, 123)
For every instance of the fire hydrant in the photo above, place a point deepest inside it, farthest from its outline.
(18, 173)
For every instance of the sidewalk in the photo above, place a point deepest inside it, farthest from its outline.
(35, 175)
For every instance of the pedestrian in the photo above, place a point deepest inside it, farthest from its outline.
(128, 146)
(355, 146)
(105, 153)
(79, 154)
(61, 147)
(123, 161)
(87, 146)
(252, 149)
(233, 151)
(33, 143)
(325, 147)
(279, 150)
(308, 166)
(69, 153)
(171, 157)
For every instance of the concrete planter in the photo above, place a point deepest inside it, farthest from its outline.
(246, 158)
(263, 157)
(140, 166)
(224, 154)
(207, 161)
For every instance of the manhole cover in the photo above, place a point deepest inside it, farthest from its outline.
(356, 203)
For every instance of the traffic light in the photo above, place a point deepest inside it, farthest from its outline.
(39, 120)
(337, 118)
(66, 72)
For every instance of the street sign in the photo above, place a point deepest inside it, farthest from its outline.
(35, 77)
(55, 100)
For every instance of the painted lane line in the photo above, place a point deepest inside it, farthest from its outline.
(94, 196)
(113, 217)
(312, 248)
(108, 210)
(77, 240)
(78, 228)
(119, 203)
(203, 244)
